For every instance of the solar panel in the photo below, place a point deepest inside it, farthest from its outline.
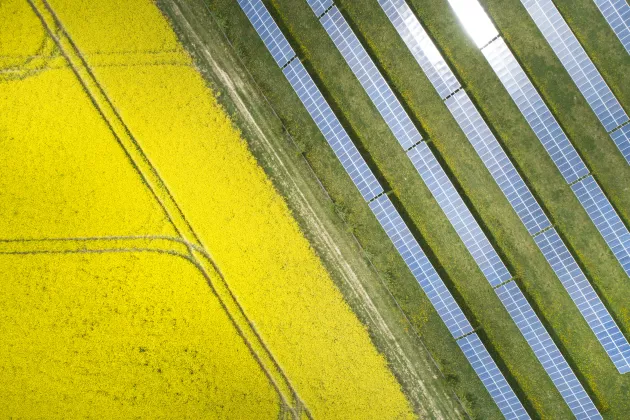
(371, 79)
(332, 130)
(458, 214)
(421, 46)
(268, 31)
(576, 62)
(497, 162)
(621, 137)
(606, 219)
(617, 13)
(475, 20)
(587, 301)
(535, 111)
(492, 378)
(320, 6)
(547, 352)
(420, 267)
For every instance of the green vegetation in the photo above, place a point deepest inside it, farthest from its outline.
(606, 386)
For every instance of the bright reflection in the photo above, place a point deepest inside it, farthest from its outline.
(475, 21)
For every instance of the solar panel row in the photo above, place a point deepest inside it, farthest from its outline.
(535, 111)
(582, 293)
(458, 214)
(617, 13)
(320, 6)
(268, 31)
(333, 132)
(497, 162)
(605, 218)
(420, 267)
(492, 378)
(371, 79)
(579, 66)
(447, 308)
(621, 137)
(422, 48)
(546, 351)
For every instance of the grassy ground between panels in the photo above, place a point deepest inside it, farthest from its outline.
(541, 285)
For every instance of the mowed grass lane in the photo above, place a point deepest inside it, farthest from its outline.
(520, 253)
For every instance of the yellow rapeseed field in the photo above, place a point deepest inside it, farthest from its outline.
(120, 101)
(127, 336)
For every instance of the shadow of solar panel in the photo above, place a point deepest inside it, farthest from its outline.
(371, 79)
(584, 296)
(268, 31)
(617, 14)
(621, 138)
(535, 111)
(497, 162)
(421, 46)
(332, 130)
(420, 267)
(458, 214)
(492, 378)
(605, 218)
(547, 352)
(574, 59)
(320, 6)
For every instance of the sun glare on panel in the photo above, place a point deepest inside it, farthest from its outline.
(475, 21)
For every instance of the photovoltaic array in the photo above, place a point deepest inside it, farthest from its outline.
(621, 137)
(495, 159)
(459, 215)
(320, 6)
(555, 141)
(408, 136)
(567, 160)
(477, 23)
(420, 267)
(384, 210)
(579, 66)
(617, 14)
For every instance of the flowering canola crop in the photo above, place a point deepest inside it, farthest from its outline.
(82, 337)
(71, 171)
